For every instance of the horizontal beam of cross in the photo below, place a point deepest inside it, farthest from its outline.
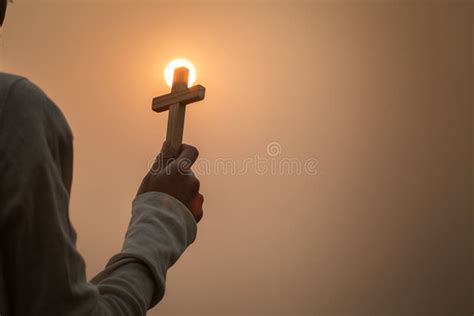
(190, 95)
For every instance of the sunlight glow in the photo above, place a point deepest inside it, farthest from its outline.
(180, 62)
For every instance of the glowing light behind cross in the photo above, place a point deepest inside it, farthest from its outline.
(180, 62)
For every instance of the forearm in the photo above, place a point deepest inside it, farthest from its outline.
(127, 290)
(160, 230)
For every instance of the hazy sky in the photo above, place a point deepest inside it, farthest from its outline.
(377, 96)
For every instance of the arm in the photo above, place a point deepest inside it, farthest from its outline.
(43, 271)
(155, 219)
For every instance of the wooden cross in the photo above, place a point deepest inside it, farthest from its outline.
(176, 102)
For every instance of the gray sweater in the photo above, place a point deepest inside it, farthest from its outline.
(41, 271)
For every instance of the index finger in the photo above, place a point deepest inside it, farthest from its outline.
(167, 151)
(167, 154)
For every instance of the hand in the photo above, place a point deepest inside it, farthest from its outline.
(171, 174)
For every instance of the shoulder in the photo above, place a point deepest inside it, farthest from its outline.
(7, 77)
(22, 99)
(10, 78)
(7, 83)
(20, 91)
(27, 113)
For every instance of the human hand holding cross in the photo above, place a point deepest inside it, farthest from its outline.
(171, 172)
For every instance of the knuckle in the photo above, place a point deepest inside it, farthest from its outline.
(184, 165)
(197, 184)
(193, 150)
(200, 215)
(194, 184)
(172, 170)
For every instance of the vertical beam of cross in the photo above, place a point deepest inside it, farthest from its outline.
(176, 102)
(174, 133)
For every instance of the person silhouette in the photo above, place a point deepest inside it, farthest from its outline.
(41, 270)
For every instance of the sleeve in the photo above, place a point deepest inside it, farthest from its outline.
(156, 217)
(43, 272)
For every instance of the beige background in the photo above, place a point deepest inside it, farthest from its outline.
(379, 92)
